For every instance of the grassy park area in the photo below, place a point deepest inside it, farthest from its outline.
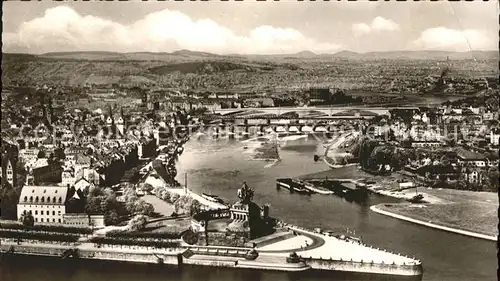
(464, 210)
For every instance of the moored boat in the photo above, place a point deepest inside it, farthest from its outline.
(292, 185)
(212, 198)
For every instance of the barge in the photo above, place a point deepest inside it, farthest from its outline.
(294, 186)
(212, 198)
(346, 189)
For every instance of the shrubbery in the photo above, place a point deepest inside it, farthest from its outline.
(47, 228)
(39, 236)
(134, 242)
(145, 235)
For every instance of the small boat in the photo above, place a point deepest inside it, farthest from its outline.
(212, 198)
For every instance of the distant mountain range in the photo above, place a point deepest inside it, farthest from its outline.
(195, 55)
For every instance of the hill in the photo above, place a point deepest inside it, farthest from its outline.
(419, 55)
(207, 67)
(134, 56)
(187, 55)
(372, 72)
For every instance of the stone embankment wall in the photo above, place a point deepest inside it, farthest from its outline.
(211, 256)
(365, 267)
(34, 250)
(171, 258)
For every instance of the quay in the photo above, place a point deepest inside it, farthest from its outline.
(327, 253)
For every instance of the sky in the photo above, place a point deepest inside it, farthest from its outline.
(248, 27)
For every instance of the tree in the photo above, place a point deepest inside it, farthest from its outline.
(27, 219)
(111, 218)
(59, 153)
(93, 205)
(9, 198)
(147, 187)
(174, 197)
(41, 154)
(137, 223)
(491, 180)
(195, 207)
(143, 208)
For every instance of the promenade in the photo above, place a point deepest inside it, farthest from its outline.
(328, 247)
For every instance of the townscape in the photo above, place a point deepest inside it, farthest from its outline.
(120, 157)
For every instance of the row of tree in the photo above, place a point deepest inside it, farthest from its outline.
(183, 204)
(27, 225)
(130, 241)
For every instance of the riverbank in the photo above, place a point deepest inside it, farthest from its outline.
(401, 211)
(466, 212)
(353, 257)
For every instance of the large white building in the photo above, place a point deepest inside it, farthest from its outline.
(45, 203)
(495, 137)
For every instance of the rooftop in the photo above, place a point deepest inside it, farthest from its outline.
(43, 195)
(469, 155)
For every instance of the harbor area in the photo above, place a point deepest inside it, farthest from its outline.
(242, 235)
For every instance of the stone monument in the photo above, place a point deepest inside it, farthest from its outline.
(248, 219)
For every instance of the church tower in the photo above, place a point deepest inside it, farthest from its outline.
(120, 124)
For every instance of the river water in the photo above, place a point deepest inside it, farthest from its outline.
(220, 166)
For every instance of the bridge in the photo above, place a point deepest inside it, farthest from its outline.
(309, 112)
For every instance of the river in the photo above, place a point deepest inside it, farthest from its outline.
(220, 167)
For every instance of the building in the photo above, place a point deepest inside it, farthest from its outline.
(470, 158)
(81, 162)
(472, 175)
(82, 184)
(488, 116)
(45, 203)
(10, 173)
(8, 170)
(495, 137)
(146, 148)
(68, 177)
(84, 220)
(29, 154)
(88, 174)
(48, 174)
(421, 144)
(319, 96)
